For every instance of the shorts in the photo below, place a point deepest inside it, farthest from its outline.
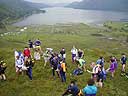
(124, 63)
(18, 69)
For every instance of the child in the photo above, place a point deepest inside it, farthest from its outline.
(2, 70)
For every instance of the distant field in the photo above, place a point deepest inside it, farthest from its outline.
(103, 41)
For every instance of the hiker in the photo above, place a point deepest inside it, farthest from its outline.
(62, 71)
(81, 64)
(37, 55)
(112, 68)
(115, 61)
(123, 62)
(95, 71)
(54, 63)
(2, 70)
(81, 67)
(72, 90)
(100, 61)
(47, 55)
(80, 53)
(74, 54)
(63, 54)
(19, 65)
(90, 89)
(30, 44)
(26, 53)
(37, 47)
(29, 64)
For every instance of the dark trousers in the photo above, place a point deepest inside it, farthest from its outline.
(63, 76)
(53, 72)
(29, 73)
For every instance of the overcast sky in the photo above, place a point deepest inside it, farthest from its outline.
(53, 1)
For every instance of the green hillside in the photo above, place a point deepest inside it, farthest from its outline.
(94, 41)
(111, 5)
(15, 9)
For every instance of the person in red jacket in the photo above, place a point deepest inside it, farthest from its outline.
(26, 53)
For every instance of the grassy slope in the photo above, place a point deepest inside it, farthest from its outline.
(58, 36)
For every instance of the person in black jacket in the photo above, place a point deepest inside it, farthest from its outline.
(2, 70)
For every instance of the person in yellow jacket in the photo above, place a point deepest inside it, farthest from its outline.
(62, 71)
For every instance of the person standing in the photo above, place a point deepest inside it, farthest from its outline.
(26, 53)
(2, 70)
(112, 68)
(74, 52)
(63, 71)
(123, 62)
(30, 44)
(80, 53)
(29, 64)
(100, 61)
(63, 54)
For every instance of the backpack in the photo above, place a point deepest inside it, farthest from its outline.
(77, 71)
(103, 74)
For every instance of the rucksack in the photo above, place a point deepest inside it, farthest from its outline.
(77, 71)
(103, 74)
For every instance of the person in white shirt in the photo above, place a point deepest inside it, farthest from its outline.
(74, 52)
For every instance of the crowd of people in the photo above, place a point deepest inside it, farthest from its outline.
(25, 61)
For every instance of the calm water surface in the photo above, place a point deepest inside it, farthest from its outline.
(70, 15)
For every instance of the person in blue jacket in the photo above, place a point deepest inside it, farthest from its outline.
(90, 89)
(123, 62)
